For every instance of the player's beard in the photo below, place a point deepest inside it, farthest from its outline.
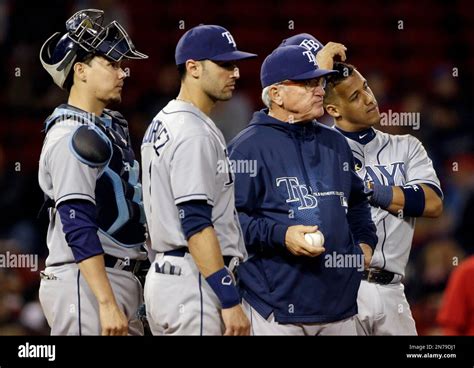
(214, 90)
(112, 100)
(225, 96)
(116, 99)
(221, 95)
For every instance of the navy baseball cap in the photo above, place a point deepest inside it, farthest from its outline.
(290, 63)
(208, 42)
(304, 39)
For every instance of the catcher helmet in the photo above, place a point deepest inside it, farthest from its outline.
(85, 35)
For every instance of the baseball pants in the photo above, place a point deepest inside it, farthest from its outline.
(384, 310)
(71, 308)
(262, 326)
(178, 299)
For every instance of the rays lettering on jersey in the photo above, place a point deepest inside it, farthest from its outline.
(158, 135)
(297, 193)
(389, 172)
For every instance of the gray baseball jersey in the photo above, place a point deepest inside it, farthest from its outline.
(63, 177)
(66, 298)
(393, 160)
(184, 158)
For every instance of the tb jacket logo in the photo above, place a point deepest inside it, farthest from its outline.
(297, 193)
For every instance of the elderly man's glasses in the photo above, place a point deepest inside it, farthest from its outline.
(308, 83)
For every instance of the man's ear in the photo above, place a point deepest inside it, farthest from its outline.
(193, 68)
(80, 71)
(275, 95)
(333, 110)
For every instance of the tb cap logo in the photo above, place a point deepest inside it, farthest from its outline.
(310, 45)
(311, 58)
(229, 38)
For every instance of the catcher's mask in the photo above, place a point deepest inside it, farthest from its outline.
(85, 35)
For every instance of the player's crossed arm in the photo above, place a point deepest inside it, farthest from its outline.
(418, 200)
(421, 195)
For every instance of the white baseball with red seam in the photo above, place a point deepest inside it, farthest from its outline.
(315, 239)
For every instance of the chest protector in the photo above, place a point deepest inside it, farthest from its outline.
(118, 193)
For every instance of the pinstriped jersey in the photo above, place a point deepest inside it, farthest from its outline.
(394, 160)
(184, 158)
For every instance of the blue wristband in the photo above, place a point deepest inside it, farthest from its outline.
(382, 196)
(223, 286)
(414, 200)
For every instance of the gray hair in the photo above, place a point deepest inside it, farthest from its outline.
(266, 96)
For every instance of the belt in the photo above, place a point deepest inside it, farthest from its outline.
(378, 276)
(130, 265)
(181, 252)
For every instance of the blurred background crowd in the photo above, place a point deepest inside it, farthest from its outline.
(417, 56)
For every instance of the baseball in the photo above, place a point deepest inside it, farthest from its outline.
(315, 239)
